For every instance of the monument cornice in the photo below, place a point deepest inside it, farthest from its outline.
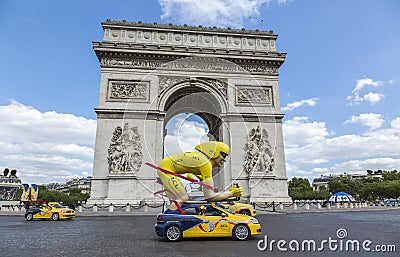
(184, 51)
(253, 117)
(103, 113)
(185, 27)
(116, 58)
(189, 38)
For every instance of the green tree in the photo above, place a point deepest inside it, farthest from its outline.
(322, 194)
(391, 175)
(391, 189)
(300, 188)
(56, 196)
(76, 195)
(335, 186)
(18, 194)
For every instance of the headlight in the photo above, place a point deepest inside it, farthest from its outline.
(254, 221)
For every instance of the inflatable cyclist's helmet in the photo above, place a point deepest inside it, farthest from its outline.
(213, 149)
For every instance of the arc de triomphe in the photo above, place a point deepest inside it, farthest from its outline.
(152, 72)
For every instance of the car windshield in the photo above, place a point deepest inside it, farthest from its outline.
(225, 207)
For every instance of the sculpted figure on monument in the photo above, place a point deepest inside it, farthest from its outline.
(258, 152)
(125, 150)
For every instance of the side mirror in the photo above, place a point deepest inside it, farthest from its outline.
(223, 214)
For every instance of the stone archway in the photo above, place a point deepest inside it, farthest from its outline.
(151, 72)
(198, 97)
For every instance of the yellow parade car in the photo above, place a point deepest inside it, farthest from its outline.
(205, 220)
(52, 210)
(241, 208)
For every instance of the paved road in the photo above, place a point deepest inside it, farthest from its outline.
(134, 236)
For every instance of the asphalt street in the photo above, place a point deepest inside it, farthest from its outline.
(134, 236)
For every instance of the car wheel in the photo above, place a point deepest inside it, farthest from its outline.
(173, 233)
(55, 216)
(241, 232)
(245, 212)
(29, 217)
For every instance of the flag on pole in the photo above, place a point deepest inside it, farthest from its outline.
(34, 192)
(25, 191)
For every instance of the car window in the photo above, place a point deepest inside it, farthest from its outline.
(210, 211)
(190, 211)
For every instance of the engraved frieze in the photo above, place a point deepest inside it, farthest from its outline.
(258, 154)
(125, 151)
(187, 65)
(132, 90)
(253, 95)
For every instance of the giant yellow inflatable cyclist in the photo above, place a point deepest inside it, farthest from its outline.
(210, 154)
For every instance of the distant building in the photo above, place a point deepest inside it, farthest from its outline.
(9, 186)
(324, 179)
(84, 184)
(54, 186)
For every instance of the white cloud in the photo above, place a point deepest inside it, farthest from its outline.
(294, 171)
(373, 98)
(24, 123)
(221, 13)
(294, 105)
(371, 120)
(299, 131)
(361, 83)
(395, 123)
(185, 134)
(361, 166)
(45, 146)
(322, 153)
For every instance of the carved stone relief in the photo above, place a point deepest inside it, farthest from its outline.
(134, 90)
(125, 151)
(219, 84)
(167, 81)
(253, 95)
(258, 152)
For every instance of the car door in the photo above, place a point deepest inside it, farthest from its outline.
(218, 222)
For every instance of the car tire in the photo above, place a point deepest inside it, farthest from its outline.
(29, 217)
(173, 233)
(245, 212)
(55, 216)
(241, 232)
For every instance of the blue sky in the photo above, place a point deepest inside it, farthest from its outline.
(339, 86)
